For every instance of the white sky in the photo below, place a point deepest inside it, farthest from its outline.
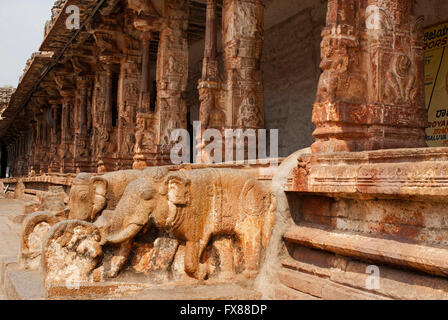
(22, 25)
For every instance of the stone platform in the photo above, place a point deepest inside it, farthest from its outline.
(412, 174)
(352, 212)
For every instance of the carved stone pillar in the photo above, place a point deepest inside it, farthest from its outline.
(128, 99)
(211, 114)
(67, 141)
(237, 102)
(38, 145)
(33, 147)
(209, 84)
(243, 35)
(82, 159)
(153, 129)
(20, 153)
(106, 134)
(109, 96)
(370, 94)
(145, 86)
(144, 119)
(25, 152)
(55, 161)
(45, 142)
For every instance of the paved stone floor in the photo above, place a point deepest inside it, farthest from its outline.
(9, 230)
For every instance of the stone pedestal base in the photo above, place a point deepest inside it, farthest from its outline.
(106, 164)
(362, 216)
(151, 159)
(399, 173)
(344, 127)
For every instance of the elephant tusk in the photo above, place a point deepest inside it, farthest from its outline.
(94, 213)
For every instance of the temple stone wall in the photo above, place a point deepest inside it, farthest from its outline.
(290, 73)
(434, 11)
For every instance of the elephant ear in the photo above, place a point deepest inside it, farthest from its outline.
(99, 200)
(178, 189)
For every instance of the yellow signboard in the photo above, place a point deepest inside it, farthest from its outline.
(436, 84)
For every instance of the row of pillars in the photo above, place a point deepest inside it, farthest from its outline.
(370, 94)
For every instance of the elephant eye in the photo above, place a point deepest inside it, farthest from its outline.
(83, 196)
(147, 194)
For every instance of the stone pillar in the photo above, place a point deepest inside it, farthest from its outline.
(84, 86)
(105, 133)
(24, 152)
(370, 94)
(107, 122)
(243, 35)
(56, 122)
(237, 103)
(45, 143)
(209, 84)
(145, 86)
(153, 129)
(67, 141)
(172, 78)
(33, 148)
(82, 140)
(145, 120)
(55, 161)
(128, 100)
(38, 146)
(20, 158)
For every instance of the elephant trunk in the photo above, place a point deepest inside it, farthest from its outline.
(124, 235)
(100, 185)
(99, 202)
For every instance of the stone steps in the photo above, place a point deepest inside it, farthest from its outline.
(432, 260)
(283, 292)
(22, 284)
(205, 292)
(323, 288)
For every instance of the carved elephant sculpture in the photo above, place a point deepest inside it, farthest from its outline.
(194, 206)
(89, 196)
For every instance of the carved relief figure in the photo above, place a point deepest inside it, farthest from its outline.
(249, 115)
(401, 84)
(82, 150)
(104, 142)
(337, 82)
(175, 67)
(144, 136)
(249, 23)
(193, 206)
(210, 116)
(129, 143)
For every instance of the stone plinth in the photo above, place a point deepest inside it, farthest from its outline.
(358, 214)
(398, 173)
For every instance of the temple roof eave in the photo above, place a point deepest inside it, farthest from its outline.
(28, 81)
(59, 35)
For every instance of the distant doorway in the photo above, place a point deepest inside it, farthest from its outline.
(3, 161)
